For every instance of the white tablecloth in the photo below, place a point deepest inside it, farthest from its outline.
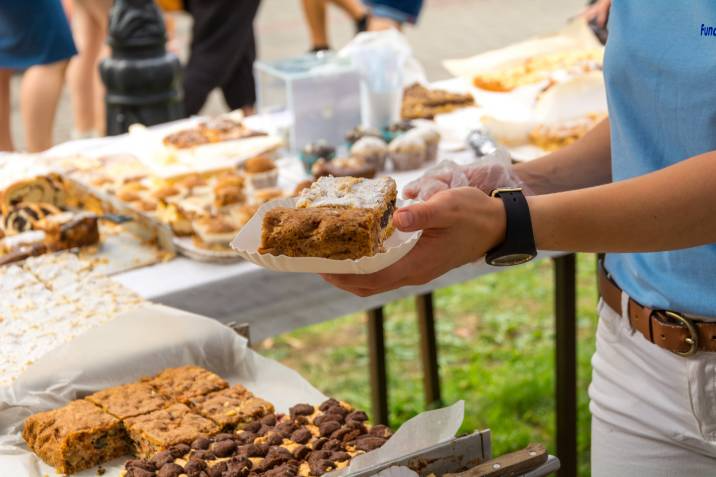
(270, 302)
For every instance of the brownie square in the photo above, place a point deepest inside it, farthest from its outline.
(129, 400)
(159, 430)
(75, 437)
(186, 382)
(231, 407)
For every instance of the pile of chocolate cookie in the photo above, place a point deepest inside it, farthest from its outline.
(307, 442)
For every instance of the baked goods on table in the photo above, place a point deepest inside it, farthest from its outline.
(210, 207)
(372, 150)
(336, 217)
(420, 102)
(353, 166)
(552, 137)
(359, 132)
(79, 296)
(220, 432)
(42, 213)
(211, 131)
(161, 429)
(408, 152)
(75, 437)
(230, 407)
(309, 441)
(315, 151)
(261, 172)
(540, 68)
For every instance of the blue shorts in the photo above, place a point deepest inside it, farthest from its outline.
(33, 32)
(402, 11)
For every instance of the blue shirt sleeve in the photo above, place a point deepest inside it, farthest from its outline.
(402, 11)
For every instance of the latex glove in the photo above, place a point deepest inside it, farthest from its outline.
(487, 173)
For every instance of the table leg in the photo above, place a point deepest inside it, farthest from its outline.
(428, 350)
(566, 362)
(378, 371)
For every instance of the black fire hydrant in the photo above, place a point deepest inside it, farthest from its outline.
(141, 77)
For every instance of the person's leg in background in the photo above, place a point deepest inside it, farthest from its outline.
(221, 35)
(356, 10)
(315, 13)
(39, 95)
(5, 135)
(89, 25)
(239, 89)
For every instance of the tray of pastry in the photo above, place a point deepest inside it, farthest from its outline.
(201, 211)
(43, 211)
(198, 145)
(204, 404)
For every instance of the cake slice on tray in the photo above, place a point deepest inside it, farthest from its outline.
(336, 217)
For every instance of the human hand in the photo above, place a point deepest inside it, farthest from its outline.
(598, 11)
(459, 226)
(487, 174)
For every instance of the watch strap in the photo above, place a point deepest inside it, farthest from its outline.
(519, 237)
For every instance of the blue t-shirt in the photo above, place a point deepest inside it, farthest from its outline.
(660, 72)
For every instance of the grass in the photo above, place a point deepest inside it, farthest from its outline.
(496, 352)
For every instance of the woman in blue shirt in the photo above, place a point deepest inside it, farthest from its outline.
(642, 188)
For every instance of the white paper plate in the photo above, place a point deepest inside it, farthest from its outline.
(248, 240)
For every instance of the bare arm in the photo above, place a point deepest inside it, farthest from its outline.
(672, 208)
(668, 209)
(585, 163)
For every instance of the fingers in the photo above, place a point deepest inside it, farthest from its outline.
(406, 271)
(424, 189)
(432, 214)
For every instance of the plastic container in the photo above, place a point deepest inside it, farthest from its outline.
(320, 94)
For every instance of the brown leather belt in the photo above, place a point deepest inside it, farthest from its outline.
(670, 330)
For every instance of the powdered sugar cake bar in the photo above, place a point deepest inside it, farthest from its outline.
(79, 297)
(337, 218)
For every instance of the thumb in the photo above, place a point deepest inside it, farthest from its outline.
(419, 217)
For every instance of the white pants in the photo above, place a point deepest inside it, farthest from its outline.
(653, 412)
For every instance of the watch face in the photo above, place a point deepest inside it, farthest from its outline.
(511, 259)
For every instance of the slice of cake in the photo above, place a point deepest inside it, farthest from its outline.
(75, 437)
(186, 382)
(336, 218)
(159, 430)
(231, 407)
(129, 400)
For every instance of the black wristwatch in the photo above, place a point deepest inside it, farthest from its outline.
(519, 244)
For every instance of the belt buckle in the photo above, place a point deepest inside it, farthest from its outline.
(692, 340)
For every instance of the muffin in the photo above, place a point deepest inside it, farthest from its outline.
(315, 151)
(407, 152)
(344, 167)
(261, 172)
(372, 149)
(359, 132)
(396, 129)
(431, 136)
